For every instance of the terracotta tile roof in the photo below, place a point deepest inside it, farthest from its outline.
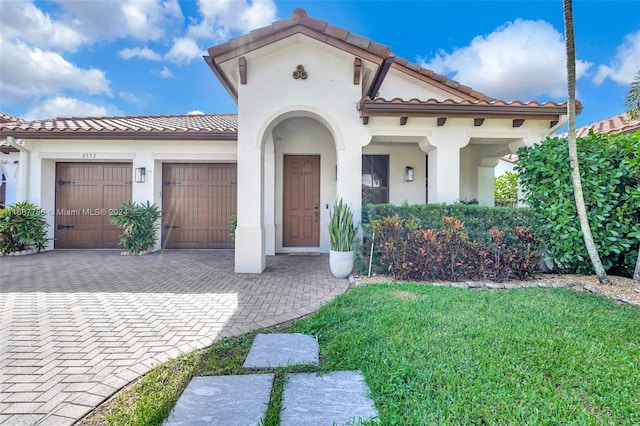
(300, 22)
(4, 117)
(203, 126)
(465, 107)
(619, 123)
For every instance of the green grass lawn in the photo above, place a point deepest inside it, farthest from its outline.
(434, 355)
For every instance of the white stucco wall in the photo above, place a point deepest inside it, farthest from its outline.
(398, 84)
(150, 154)
(400, 156)
(9, 164)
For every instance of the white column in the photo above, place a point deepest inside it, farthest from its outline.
(250, 254)
(486, 182)
(349, 179)
(444, 167)
(269, 197)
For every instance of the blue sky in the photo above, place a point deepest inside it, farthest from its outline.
(141, 57)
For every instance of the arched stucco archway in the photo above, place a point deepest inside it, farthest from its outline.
(288, 136)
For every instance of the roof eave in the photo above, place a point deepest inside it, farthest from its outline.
(378, 109)
(231, 89)
(119, 135)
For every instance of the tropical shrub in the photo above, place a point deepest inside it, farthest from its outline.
(408, 251)
(610, 169)
(233, 224)
(478, 220)
(342, 231)
(22, 227)
(139, 223)
(506, 189)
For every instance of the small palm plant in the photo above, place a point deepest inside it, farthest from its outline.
(342, 231)
(139, 226)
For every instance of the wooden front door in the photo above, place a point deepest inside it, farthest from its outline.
(198, 201)
(86, 193)
(301, 199)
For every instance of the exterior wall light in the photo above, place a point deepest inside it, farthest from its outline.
(408, 174)
(140, 173)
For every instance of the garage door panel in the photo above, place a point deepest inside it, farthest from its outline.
(198, 201)
(85, 193)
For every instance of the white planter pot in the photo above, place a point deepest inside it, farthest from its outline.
(341, 263)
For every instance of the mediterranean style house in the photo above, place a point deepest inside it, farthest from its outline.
(322, 114)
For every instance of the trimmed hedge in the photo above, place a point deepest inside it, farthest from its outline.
(478, 220)
(437, 241)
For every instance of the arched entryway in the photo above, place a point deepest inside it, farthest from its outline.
(299, 184)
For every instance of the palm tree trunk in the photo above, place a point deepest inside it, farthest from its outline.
(636, 274)
(573, 150)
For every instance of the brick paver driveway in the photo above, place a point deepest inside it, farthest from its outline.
(76, 326)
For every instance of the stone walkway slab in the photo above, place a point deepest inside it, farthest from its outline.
(223, 400)
(336, 398)
(281, 350)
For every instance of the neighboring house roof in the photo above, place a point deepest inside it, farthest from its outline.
(201, 126)
(510, 158)
(301, 23)
(620, 123)
(7, 117)
(5, 147)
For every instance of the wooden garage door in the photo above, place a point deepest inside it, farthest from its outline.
(198, 201)
(85, 193)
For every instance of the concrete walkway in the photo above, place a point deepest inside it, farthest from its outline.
(76, 326)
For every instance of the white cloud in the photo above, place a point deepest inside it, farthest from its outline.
(519, 60)
(64, 107)
(142, 20)
(195, 112)
(625, 64)
(27, 72)
(220, 20)
(141, 52)
(222, 17)
(129, 97)
(26, 21)
(184, 50)
(166, 73)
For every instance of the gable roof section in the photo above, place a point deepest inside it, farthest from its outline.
(620, 123)
(156, 127)
(301, 23)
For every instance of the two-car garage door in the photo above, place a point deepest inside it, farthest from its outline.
(198, 201)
